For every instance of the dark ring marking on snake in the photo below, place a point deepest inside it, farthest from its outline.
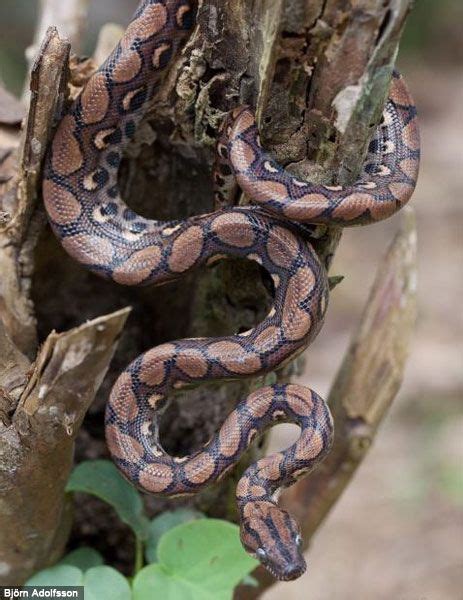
(94, 225)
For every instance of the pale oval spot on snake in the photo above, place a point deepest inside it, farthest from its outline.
(252, 436)
(308, 446)
(192, 362)
(267, 339)
(127, 67)
(352, 206)
(268, 166)
(94, 99)
(89, 249)
(409, 166)
(410, 136)
(300, 400)
(138, 266)
(243, 120)
(152, 370)
(62, 206)
(89, 182)
(234, 230)
(156, 478)
(265, 191)
(186, 249)
(154, 400)
(230, 435)
(368, 185)
(66, 157)
(333, 188)
(259, 403)
(401, 191)
(123, 446)
(269, 466)
(296, 322)
(234, 358)
(241, 156)
(309, 206)
(383, 171)
(151, 21)
(199, 469)
(256, 258)
(282, 247)
(123, 400)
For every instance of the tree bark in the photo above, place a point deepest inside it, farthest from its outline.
(317, 73)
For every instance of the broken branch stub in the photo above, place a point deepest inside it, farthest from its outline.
(36, 445)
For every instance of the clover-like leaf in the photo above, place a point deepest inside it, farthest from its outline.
(105, 583)
(163, 523)
(199, 560)
(60, 575)
(102, 479)
(83, 558)
(100, 583)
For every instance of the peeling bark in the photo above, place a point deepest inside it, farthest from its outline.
(21, 223)
(37, 436)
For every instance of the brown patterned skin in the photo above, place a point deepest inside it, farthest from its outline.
(94, 225)
(386, 184)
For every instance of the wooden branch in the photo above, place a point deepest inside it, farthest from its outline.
(20, 227)
(37, 443)
(13, 370)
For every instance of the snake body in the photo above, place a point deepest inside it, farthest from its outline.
(86, 212)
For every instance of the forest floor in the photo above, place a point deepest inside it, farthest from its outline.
(397, 533)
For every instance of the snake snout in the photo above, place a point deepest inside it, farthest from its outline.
(273, 537)
(293, 570)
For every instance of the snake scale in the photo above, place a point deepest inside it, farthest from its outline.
(96, 228)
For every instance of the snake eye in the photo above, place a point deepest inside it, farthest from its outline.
(260, 552)
(298, 540)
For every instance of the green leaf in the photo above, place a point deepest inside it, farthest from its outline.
(105, 583)
(83, 558)
(58, 575)
(100, 583)
(199, 560)
(102, 479)
(161, 524)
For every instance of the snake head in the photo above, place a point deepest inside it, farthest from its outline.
(272, 536)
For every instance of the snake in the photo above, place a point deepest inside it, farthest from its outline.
(94, 225)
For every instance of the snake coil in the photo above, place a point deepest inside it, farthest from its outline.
(97, 229)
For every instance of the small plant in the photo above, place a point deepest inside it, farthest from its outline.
(179, 554)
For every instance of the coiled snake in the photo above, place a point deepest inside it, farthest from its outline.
(95, 227)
